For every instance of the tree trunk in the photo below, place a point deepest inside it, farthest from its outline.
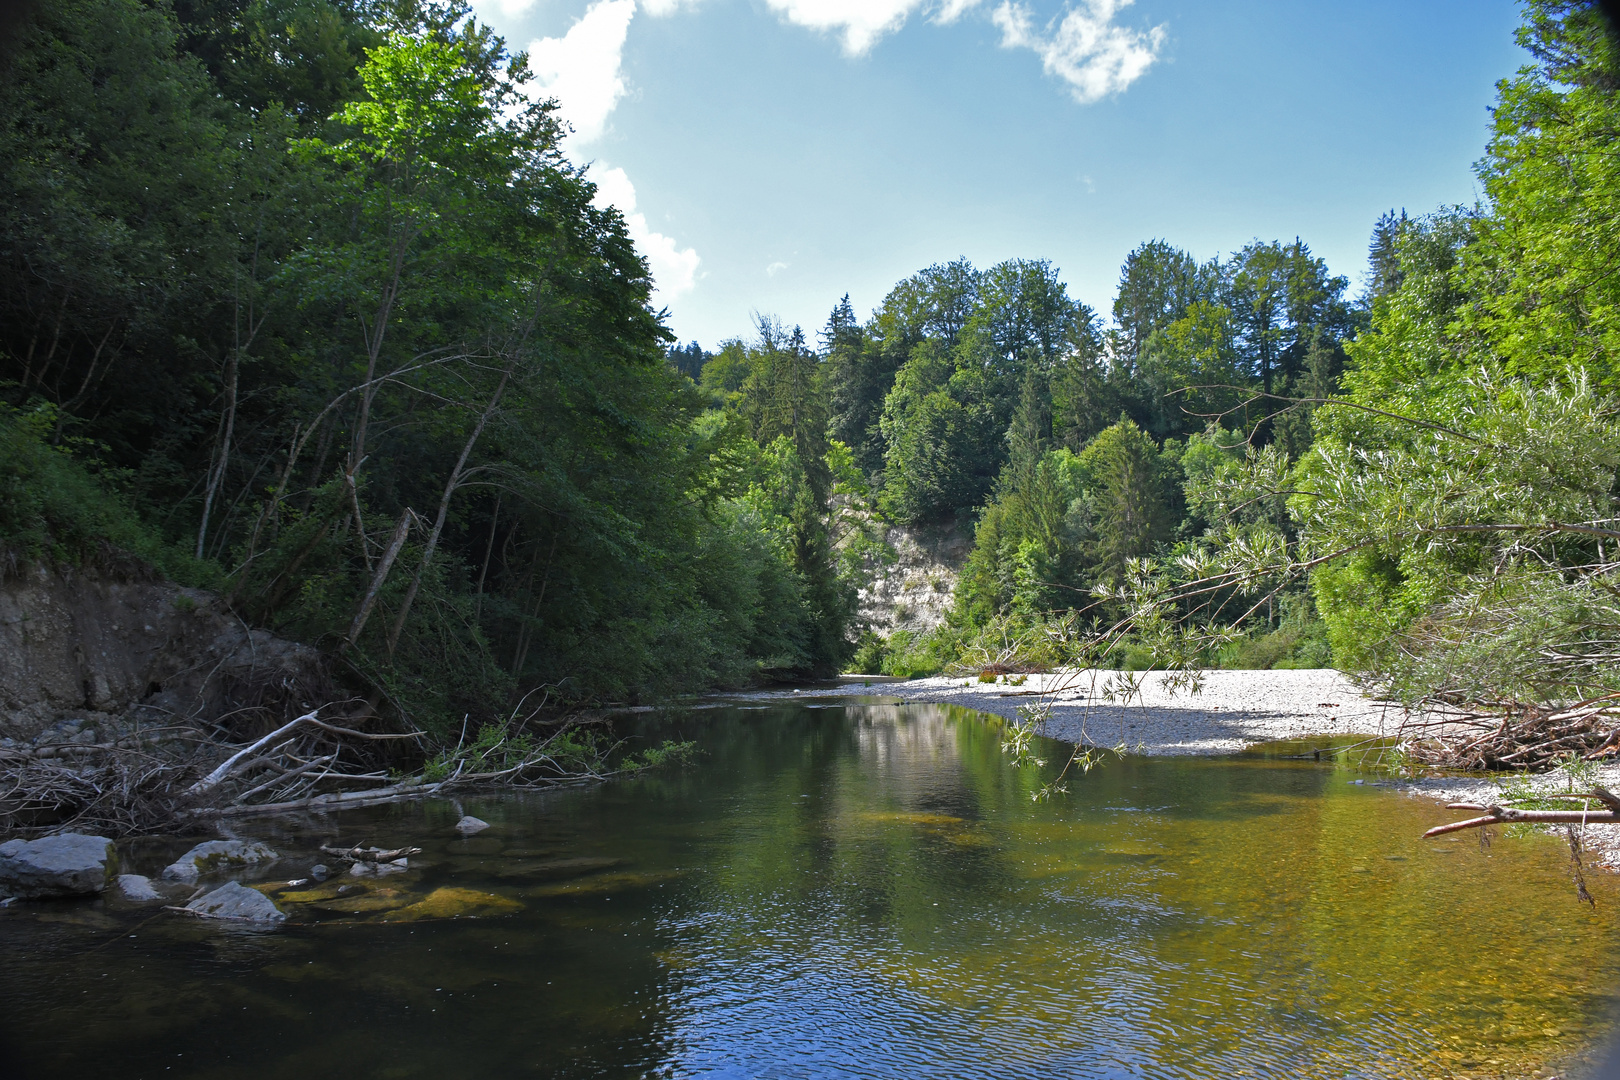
(395, 542)
(227, 424)
(450, 487)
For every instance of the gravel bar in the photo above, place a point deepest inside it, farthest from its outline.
(1232, 709)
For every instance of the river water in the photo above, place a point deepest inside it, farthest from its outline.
(855, 890)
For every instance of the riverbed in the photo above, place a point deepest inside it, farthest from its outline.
(836, 888)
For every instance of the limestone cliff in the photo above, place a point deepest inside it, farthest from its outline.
(914, 593)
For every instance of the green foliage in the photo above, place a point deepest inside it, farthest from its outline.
(1456, 505)
(668, 752)
(1299, 641)
(1071, 524)
(55, 509)
(1540, 271)
(1194, 371)
(1466, 555)
(334, 310)
(307, 289)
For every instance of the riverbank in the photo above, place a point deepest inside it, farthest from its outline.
(1600, 844)
(1231, 710)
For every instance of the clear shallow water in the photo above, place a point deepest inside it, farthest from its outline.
(858, 892)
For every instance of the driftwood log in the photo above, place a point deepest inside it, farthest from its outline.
(1503, 815)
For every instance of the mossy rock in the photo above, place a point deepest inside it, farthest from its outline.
(901, 817)
(454, 903)
(331, 890)
(553, 867)
(376, 900)
(603, 883)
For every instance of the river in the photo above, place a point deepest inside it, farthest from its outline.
(855, 890)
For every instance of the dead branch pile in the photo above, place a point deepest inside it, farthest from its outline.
(1516, 736)
(154, 777)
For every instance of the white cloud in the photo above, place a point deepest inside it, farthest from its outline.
(862, 22)
(510, 8)
(775, 268)
(674, 269)
(1095, 57)
(950, 10)
(658, 7)
(581, 68)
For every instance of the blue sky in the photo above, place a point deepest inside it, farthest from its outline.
(772, 155)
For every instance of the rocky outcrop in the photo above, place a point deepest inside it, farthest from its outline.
(216, 857)
(87, 653)
(915, 592)
(237, 902)
(68, 865)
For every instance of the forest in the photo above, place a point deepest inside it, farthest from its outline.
(301, 301)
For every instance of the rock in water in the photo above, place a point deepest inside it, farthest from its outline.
(68, 865)
(379, 869)
(236, 901)
(453, 903)
(138, 888)
(216, 856)
(471, 826)
(319, 872)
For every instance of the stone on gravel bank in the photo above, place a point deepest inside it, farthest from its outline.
(68, 865)
(217, 856)
(238, 902)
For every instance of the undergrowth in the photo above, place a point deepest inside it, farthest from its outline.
(60, 507)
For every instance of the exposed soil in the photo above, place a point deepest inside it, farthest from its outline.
(110, 648)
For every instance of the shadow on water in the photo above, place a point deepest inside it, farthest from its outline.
(865, 891)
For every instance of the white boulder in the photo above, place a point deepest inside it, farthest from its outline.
(71, 864)
(218, 856)
(238, 902)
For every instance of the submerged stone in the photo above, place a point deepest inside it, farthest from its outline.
(72, 864)
(604, 883)
(559, 868)
(469, 825)
(217, 856)
(379, 869)
(376, 900)
(454, 903)
(331, 890)
(236, 902)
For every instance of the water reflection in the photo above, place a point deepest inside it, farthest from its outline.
(867, 891)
